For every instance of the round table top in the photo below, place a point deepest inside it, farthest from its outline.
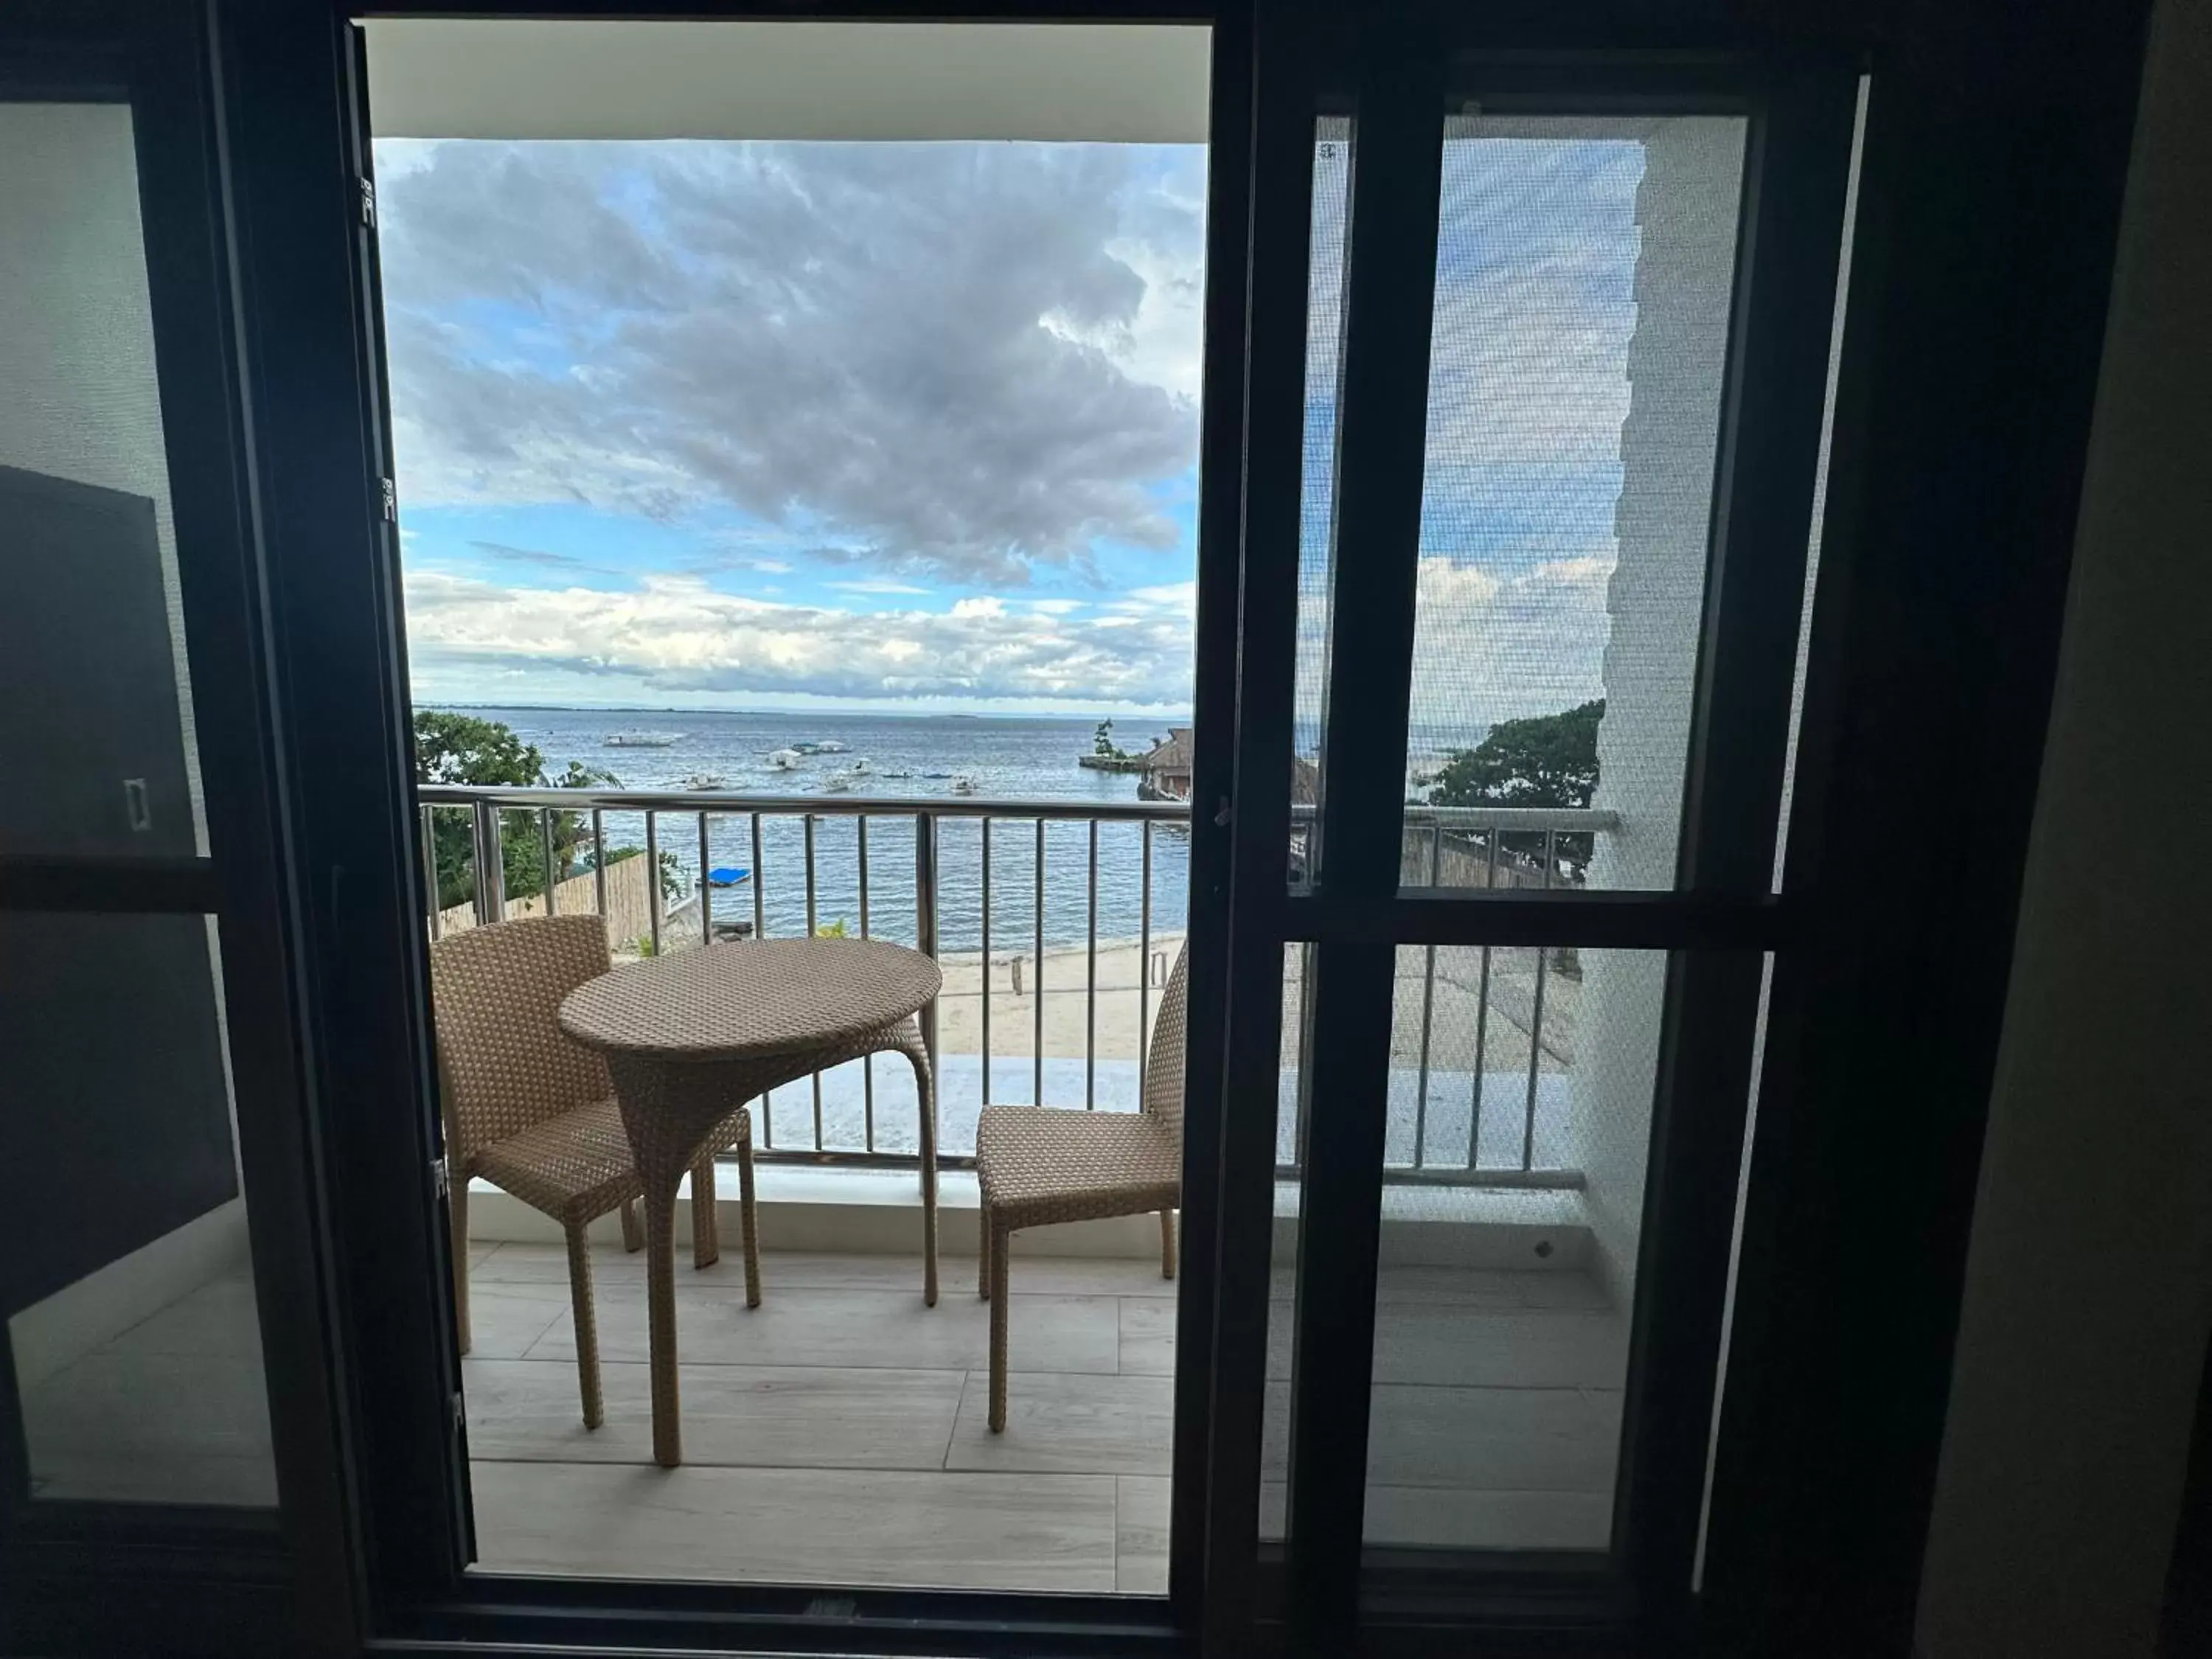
(753, 998)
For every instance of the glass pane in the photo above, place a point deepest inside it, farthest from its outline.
(1283, 1253)
(1512, 1190)
(1501, 1327)
(1332, 214)
(1584, 273)
(91, 636)
(125, 1273)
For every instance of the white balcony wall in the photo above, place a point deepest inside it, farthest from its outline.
(1686, 211)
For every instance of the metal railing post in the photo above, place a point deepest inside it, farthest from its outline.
(983, 981)
(809, 934)
(1144, 964)
(653, 882)
(430, 871)
(549, 875)
(867, 1062)
(705, 890)
(491, 874)
(925, 920)
(1036, 991)
(1536, 1026)
(599, 860)
(1091, 986)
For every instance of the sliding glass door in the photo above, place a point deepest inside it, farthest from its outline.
(1524, 562)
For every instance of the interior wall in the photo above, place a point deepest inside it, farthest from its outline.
(2089, 1278)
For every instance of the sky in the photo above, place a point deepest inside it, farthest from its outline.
(914, 427)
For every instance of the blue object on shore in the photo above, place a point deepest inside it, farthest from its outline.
(726, 876)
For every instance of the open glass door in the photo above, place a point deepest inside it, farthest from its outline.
(1523, 591)
(804, 376)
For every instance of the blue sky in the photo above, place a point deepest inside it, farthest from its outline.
(914, 427)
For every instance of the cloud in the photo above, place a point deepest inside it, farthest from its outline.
(676, 635)
(501, 553)
(876, 585)
(1485, 648)
(958, 360)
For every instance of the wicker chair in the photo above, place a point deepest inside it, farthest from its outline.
(534, 1113)
(1038, 1165)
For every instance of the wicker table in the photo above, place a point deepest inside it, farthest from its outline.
(689, 1038)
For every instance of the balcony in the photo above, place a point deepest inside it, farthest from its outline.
(837, 1434)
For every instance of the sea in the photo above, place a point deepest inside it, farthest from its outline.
(909, 759)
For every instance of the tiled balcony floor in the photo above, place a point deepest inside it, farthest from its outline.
(837, 1434)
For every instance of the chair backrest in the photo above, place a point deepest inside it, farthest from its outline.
(503, 1061)
(1162, 1097)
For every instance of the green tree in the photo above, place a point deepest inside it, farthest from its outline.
(456, 748)
(1542, 760)
(1101, 742)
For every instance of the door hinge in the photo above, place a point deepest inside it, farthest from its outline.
(390, 492)
(440, 1182)
(460, 1415)
(369, 202)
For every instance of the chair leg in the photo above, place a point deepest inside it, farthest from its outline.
(1001, 1240)
(706, 1232)
(926, 1100)
(983, 1252)
(456, 1209)
(1167, 1244)
(587, 1324)
(748, 1221)
(633, 1229)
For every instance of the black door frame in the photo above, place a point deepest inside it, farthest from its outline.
(72, 1571)
(1928, 384)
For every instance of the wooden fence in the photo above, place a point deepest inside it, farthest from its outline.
(628, 894)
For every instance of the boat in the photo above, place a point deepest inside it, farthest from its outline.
(963, 785)
(836, 783)
(705, 781)
(727, 875)
(643, 739)
(895, 774)
(831, 747)
(783, 760)
(860, 766)
(806, 748)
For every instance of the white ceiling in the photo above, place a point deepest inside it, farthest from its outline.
(508, 78)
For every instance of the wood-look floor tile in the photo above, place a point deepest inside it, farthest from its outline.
(801, 1326)
(1063, 1423)
(1532, 1439)
(218, 1320)
(1140, 1532)
(1442, 1517)
(798, 1526)
(127, 1426)
(1148, 1336)
(505, 1319)
(769, 1417)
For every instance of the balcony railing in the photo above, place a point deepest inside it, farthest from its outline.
(1011, 897)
